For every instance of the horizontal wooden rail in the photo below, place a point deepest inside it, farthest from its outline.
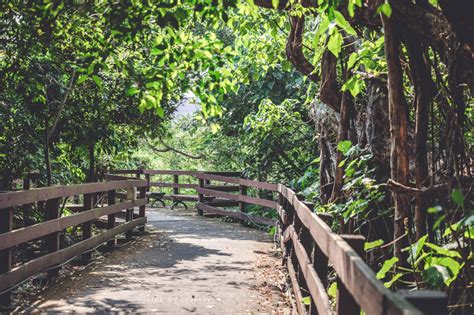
(246, 199)
(118, 177)
(235, 214)
(32, 267)
(315, 285)
(16, 198)
(239, 181)
(32, 232)
(353, 272)
(49, 201)
(137, 171)
(173, 185)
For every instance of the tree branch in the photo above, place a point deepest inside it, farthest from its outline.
(61, 106)
(168, 148)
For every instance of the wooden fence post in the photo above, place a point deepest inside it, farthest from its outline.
(53, 244)
(176, 181)
(131, 195)
(147, 178)
(111, 217)
(6, 255)
(26, 208)
(142, 209)
(345, 304)
(87, 226)
(319, 260)
(242, 192)
(200, 195)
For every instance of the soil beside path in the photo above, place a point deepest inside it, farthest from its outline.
(187, 264)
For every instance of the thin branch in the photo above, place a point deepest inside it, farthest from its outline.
(168, 148)
(61, 106)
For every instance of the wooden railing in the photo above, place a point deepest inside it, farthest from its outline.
(176, 186)
(312, 251)
(99, 200)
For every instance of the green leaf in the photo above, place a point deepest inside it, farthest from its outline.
(457, 197)
(452, 265)
(387, 265)
(97, 81)
(352, 60)
(355, 85)
(332, 291)
(132, 91)
(344, 146)
(385, 8)
(306, 300)
(82, 78)
(322, 27)
(156, 51)
(160, 112)
(443, 251)
(388, 284)
(335, 43)
(343, 23)
(435, 275)
(370, 245)
(275, 3)
(434, 209)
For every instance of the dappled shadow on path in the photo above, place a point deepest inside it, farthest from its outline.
(188, 263)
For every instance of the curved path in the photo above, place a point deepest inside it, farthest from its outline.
(187, 264)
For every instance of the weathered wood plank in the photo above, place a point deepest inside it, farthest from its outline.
(8, 280)
(173, 185)
(296, 288)
(358, 278)
(235, 214)
(345, 303)
(219, 178)
(52, 212)
(32, 232)
(111, 216)
(223, 187)
(231, 173)
(16, 198)
(170, 172)
(259, 185)
(242, 198)
(6, 255)
(136, 171)
(239, 181)
(315, 286)
(118, 177)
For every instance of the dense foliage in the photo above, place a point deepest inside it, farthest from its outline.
(365, 107)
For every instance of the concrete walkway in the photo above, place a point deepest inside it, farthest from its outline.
(188, 264)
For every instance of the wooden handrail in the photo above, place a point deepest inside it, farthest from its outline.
(53, 224)
(22, 197)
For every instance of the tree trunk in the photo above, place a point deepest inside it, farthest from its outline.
(423, 96)
(342, 134)
(398, 115)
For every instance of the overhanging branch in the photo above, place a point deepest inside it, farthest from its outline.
(168, 148)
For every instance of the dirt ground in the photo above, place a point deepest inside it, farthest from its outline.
(185, 264)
